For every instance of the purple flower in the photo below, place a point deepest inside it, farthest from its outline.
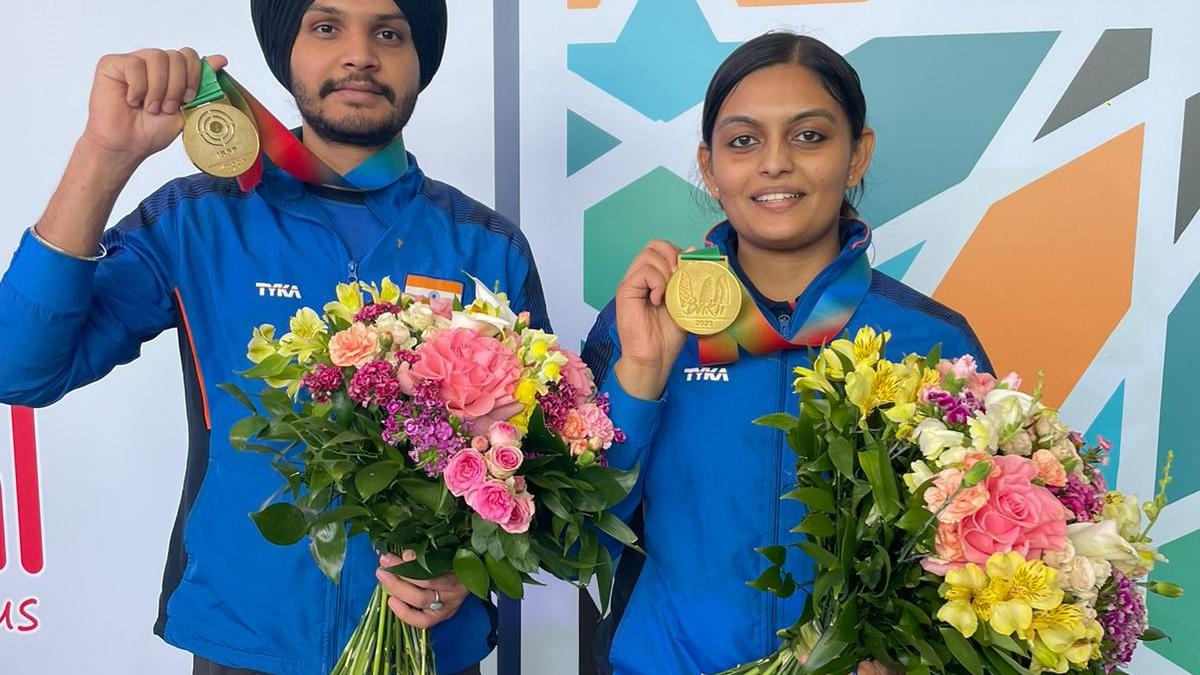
(323, 381)
(1084, 499)
(556, 404)
(374, 383)
(372, 311)
(957, 409)
(1122, 613)
(424, 422)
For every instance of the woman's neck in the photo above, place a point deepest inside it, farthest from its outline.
(784, 275)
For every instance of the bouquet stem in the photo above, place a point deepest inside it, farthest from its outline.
(384, 645)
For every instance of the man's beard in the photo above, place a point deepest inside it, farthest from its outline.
(355, 130)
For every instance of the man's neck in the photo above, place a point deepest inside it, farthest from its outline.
(341, 158)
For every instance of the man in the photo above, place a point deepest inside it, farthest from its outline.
(212, 259)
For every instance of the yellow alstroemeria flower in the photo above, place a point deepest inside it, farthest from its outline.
(871, 388)
(306, 336)
(961, 588)
(865, 350)
(813, 379)
(262, 343)
(1016, 588)
(1062, 637)
(349, 301)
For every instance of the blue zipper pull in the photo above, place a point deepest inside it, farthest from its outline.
(353, 272)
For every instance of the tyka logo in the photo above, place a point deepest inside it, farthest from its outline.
(277, 290)
(25, 485)
(17, 615)
(706, 374)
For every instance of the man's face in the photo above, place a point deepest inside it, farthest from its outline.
(355, 71)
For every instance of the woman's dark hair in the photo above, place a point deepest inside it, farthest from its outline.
(779, 47)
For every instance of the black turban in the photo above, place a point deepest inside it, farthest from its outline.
(277, 22)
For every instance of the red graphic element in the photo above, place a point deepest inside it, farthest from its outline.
(28, 493)
(19, 617)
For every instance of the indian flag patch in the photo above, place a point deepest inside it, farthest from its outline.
(431, 288)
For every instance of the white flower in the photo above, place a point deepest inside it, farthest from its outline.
(934, 438)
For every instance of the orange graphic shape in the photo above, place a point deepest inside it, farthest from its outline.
(583, 4)
(1048, 273)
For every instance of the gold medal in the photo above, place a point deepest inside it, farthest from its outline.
(703, 296)
(220, 139)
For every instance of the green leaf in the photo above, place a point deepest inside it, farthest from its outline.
(604, 579)
(962, 650)
(428, 493)
(371, 479)
(882, 477)
(507, 579)
(934, 356)
(768, 581)
(340, 514)
(914, 519)
(782, 421)
(276, 402)
(328, 548)
(817, 499)
(841, 451)
(347, 437)
(606, 484)
(281, 524)
(617, 529)
(822, 557)
(428, 565)
(816, 524)
(267, 368)
(516, 551)
(236, 392)
(472, 573)
(245, 429)
(1151, 634)
(776, 554)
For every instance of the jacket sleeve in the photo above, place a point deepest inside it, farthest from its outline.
(637, 418)
(66, 322)
(526, 286)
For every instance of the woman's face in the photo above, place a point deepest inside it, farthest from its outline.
(781, 158)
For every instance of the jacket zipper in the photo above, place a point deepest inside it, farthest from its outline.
(782, 401)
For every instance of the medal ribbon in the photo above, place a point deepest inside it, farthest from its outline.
(287, 152)
(756, 334)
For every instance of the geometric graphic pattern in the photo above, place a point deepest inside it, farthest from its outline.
(1107, 425)
(1119, 61)
(1188, 202)
(1007, 298)
(898, 265)
(659, 205)
(1181, 367)
(673, 66)
(965, 85)
(586, 142)
(1184, 557)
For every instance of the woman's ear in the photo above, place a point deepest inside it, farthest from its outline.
(704, 159)
(860, 159)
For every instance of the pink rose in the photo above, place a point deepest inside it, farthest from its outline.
(1019, 515)
(1050, 470)
(355, 346)
(503, 461)
(599, 427)
(961, 505)
(518, 484)
(578, 375)
(478, 374)
(479, 444)
(465, 472)
(492, 501)
(503, 433)
(442, 307)
(949, 547)
(522, 514)
(405, 377)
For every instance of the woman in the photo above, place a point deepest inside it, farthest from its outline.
(785, 144)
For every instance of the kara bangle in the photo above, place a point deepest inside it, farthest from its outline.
(103, 251)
